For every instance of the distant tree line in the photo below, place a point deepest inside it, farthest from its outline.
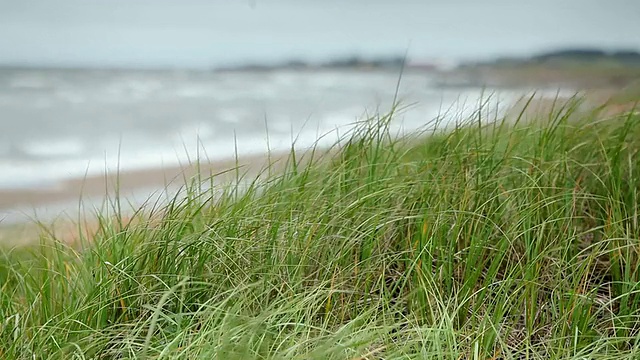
(356, 62)
(569, 55)
(350, 62)
(589, 55)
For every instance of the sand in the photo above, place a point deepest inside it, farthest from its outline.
(109, 184)
(57, 208)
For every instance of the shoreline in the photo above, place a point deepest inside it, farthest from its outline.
(67, 210)
(145, 183)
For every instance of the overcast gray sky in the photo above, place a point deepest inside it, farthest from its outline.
(201, 33)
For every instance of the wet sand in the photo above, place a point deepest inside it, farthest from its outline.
(67, 194)
(20, 224)
(109, 183)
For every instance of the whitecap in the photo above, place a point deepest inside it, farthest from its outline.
(63, 147)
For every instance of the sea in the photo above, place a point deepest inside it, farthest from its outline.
(59, 124)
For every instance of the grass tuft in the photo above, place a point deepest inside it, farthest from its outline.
(491, 240)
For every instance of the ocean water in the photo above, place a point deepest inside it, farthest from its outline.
(60, 124)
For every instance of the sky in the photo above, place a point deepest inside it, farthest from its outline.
(208, 33)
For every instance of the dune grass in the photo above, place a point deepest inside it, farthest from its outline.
(490, 240)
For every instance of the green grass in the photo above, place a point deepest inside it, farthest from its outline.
(492, 240)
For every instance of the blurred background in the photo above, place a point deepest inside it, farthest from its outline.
(87, 87)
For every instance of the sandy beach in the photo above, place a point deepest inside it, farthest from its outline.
(21, 210)
(28, 214)
(108, 184)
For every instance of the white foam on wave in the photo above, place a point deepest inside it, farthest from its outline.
(54, 147)
(132, 89)
(21, 175)
(195, 91)
(342, 117)
(30, 82)
(286, 79)
(279, 124)
(231, 116)
(196, 130)
(49, 174)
